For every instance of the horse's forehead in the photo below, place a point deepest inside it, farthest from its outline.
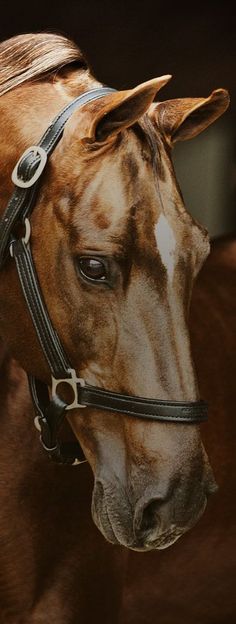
(106, 190)
(122, 188)
(114, 185)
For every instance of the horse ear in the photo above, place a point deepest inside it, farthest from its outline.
(121, 109)
(185, 118)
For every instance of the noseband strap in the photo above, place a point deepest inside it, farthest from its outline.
(49, 407)
(151, 409)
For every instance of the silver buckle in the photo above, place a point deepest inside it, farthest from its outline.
(37, 151)
(73, 381)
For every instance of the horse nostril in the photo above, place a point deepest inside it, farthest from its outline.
(148, 517)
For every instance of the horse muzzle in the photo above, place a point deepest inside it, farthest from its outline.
(154, 521)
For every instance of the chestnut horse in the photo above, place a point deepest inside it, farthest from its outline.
(116, 255)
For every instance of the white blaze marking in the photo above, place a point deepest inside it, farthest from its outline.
(166, 244)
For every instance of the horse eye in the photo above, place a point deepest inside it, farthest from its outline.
(92, 269)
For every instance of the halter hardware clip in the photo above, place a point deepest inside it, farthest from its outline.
(73, 381)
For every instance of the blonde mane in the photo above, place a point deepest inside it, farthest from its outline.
(32, 56)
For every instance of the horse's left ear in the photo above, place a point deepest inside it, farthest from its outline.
(185, 118)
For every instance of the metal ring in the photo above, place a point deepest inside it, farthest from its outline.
(27, 235)
(25, 238)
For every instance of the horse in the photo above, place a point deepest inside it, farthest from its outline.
(115, 256)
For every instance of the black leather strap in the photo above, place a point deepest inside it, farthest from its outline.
(13, 215)
(54, 132)
(48, 338)
(23, 199)
(152, 409)
(50, 414)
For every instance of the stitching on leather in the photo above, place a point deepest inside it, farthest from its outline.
(142, 401)
(33, 309)
(64, 114)
(11, 213)
(49, 339)
(44, 336)
(144, 415)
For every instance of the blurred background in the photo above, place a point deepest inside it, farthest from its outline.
(129, 42)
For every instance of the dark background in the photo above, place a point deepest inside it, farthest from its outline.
(129, 42)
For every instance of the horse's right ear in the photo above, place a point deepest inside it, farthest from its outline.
(183, 119)
(109, 115)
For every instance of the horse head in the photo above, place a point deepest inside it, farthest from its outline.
(116, 254)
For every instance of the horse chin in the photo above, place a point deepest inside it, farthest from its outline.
(169, 543)
(161, 543)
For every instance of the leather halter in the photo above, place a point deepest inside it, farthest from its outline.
(49, 407)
